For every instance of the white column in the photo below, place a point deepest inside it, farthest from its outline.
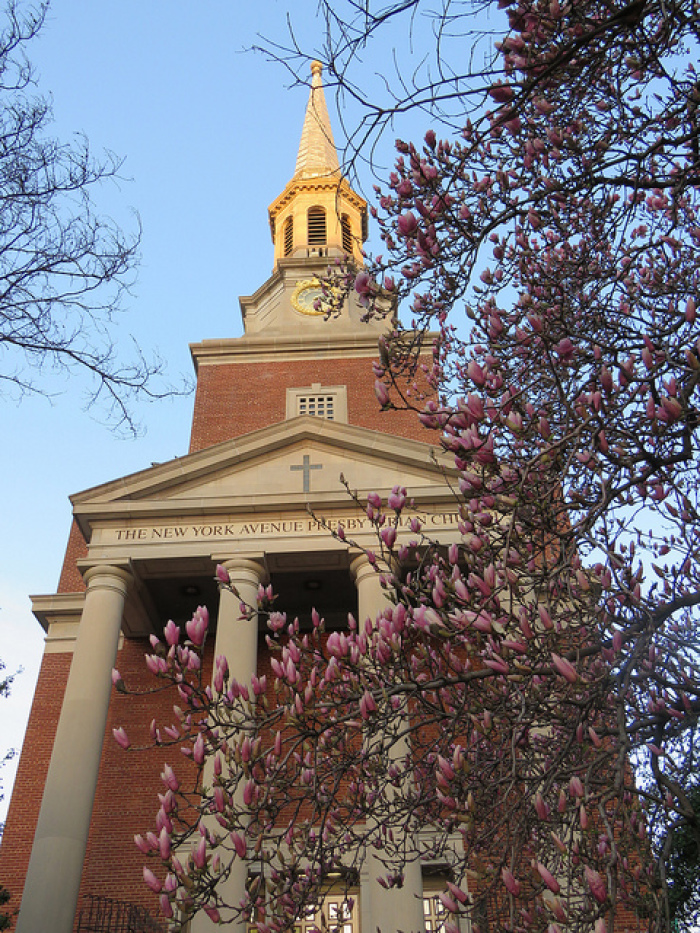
(236, 636)
(397, 908)
(55, 868)
(237, 641)
(371, 596)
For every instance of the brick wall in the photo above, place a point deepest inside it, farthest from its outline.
(31, 774)
(234, 399)
(71, 580)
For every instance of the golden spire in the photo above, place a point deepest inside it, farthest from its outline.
(317, 152)
(318, 215)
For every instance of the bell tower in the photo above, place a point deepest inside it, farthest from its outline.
(318, 214)
(295, 358)
(317, 221)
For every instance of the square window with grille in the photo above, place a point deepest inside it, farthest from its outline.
(328, 402)
(322, 406)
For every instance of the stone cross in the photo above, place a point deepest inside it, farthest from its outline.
(307, 467)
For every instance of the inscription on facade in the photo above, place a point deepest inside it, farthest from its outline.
(260, 529)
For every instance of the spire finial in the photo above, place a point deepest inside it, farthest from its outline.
(317, 152)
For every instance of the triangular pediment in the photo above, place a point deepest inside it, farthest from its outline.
(297, 463)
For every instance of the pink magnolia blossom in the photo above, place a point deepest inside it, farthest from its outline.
(541, 807)
(565, 668)
(363, 283)
(222, 575)
(151, 880)
(382, 393)
(168, 778)
(388, 535)
(248, 792)
(407, 224)
(164, 844)
(375, 500)
(497, 664)
(198, 749)
(199, 853)
(121, 737)
(166, 907)
(367, 705)
(397, 498)
(548, 878)
(142, 844)
(501, 93)
(197, 627)
(239, 844)
(172, 633)
(596, 883)
(449, 903)
(156, 664)
(510, 881)
(583, 817)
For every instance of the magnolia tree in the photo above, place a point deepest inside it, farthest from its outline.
(526, 706)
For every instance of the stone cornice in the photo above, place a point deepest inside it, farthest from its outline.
(283, 347)
(57, 607)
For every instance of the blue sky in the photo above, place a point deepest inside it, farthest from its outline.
(209, 136)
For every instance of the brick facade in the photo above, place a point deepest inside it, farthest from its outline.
(236, 398)
(31, 774)
(71, 580)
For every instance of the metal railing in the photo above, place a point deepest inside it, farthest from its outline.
(100, 914)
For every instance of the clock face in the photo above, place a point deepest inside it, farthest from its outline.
(305, 296)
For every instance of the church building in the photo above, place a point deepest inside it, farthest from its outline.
(279, 414)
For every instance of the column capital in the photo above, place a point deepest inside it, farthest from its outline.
(107, 576)
(361, 567)
(246, 566)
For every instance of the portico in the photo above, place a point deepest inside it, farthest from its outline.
(155, 539)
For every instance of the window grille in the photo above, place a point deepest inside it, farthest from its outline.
(321, 406)
(288, 236)
(316, 218)
(328, 402)
(346, 233)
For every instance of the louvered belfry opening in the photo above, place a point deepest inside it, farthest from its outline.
(317, 226)
(288, 236)
(346, 233)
